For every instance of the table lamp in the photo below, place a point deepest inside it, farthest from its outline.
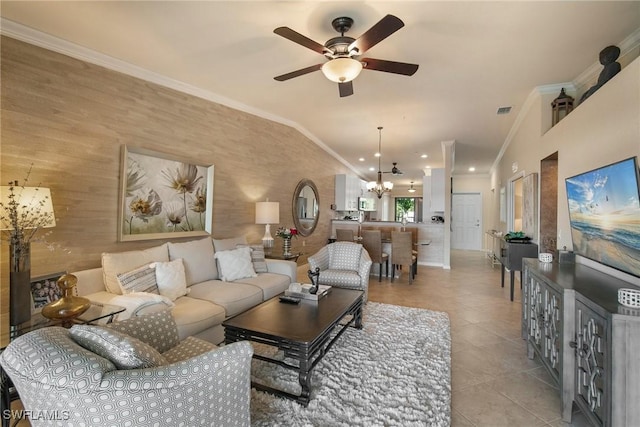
(267, 213)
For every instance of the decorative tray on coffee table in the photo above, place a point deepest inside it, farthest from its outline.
(304, 292)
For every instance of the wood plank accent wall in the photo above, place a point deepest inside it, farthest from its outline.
(71, 118)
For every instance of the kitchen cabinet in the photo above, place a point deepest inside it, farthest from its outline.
(347, 191)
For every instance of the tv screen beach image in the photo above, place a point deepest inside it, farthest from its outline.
(604, 210)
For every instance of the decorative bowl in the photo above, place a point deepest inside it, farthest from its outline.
(545, 257)
(629, 297)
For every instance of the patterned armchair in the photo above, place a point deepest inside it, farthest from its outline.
(343, 265)
(192, 382)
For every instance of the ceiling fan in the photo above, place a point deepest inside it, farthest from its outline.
(394, 170)
(344, 53)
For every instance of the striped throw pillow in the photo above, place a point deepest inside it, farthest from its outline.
(257, 257)
(141, 279)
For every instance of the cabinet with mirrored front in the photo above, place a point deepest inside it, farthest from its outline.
(589, 344)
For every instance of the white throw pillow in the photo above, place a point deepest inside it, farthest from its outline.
(171, 279)
(235, 264)
(197, 256)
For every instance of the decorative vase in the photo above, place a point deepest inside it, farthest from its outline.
(19, 283)
(286, 247)
(68, 306)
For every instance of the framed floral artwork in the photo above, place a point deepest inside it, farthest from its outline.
(44, 289)
(163, 196)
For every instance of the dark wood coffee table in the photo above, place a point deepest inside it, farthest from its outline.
(303, 331)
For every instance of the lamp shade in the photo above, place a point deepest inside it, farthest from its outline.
(342, 70)
(267, 212)
(32, 204)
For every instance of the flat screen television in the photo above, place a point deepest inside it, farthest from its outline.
(604, 211)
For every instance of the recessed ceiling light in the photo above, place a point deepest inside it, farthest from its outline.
(377, 155)
(361, 159)
(472, 169)
(424, 156)
(428, 167)
(372, 168)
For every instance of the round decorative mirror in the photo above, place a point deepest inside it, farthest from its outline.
(305, 207)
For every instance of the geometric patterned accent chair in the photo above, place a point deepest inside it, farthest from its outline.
(343, 265)
(130, 373)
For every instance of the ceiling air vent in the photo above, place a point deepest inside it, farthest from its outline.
(503, 110)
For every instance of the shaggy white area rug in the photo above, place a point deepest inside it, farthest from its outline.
(396, 371)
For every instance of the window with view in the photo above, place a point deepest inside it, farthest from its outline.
(409, 208)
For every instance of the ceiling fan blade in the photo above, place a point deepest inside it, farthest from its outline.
(380, 31)
(296, 37)
(394, 170)
(346, 89)
(298, 73)
(389, 66)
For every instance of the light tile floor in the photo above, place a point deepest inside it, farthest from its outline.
(493, 382)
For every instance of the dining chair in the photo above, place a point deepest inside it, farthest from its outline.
(344, 235)
(372, 242)
(414, 240)
(402, 253)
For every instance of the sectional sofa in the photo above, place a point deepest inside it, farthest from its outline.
(211, 283)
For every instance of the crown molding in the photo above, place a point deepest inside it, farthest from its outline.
(37, 38)
(627, 46)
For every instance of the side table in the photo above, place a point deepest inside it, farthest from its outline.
(96, 314)
(293, 257)
(511, 255)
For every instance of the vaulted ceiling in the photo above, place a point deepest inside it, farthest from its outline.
(474, 58)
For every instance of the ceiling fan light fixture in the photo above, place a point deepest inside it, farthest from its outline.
(342, 70)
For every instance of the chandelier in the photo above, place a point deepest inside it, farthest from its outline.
(378, 186)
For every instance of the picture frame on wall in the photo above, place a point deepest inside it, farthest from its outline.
(163, 196)
(44, 289)
(530, 205)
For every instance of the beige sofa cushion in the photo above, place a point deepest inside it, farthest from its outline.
(196, 315)
(122, 262)
(228, 244)
(233, 296)
(197, 256)
(271, 284)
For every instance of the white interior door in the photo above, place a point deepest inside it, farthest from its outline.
(466, 221)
